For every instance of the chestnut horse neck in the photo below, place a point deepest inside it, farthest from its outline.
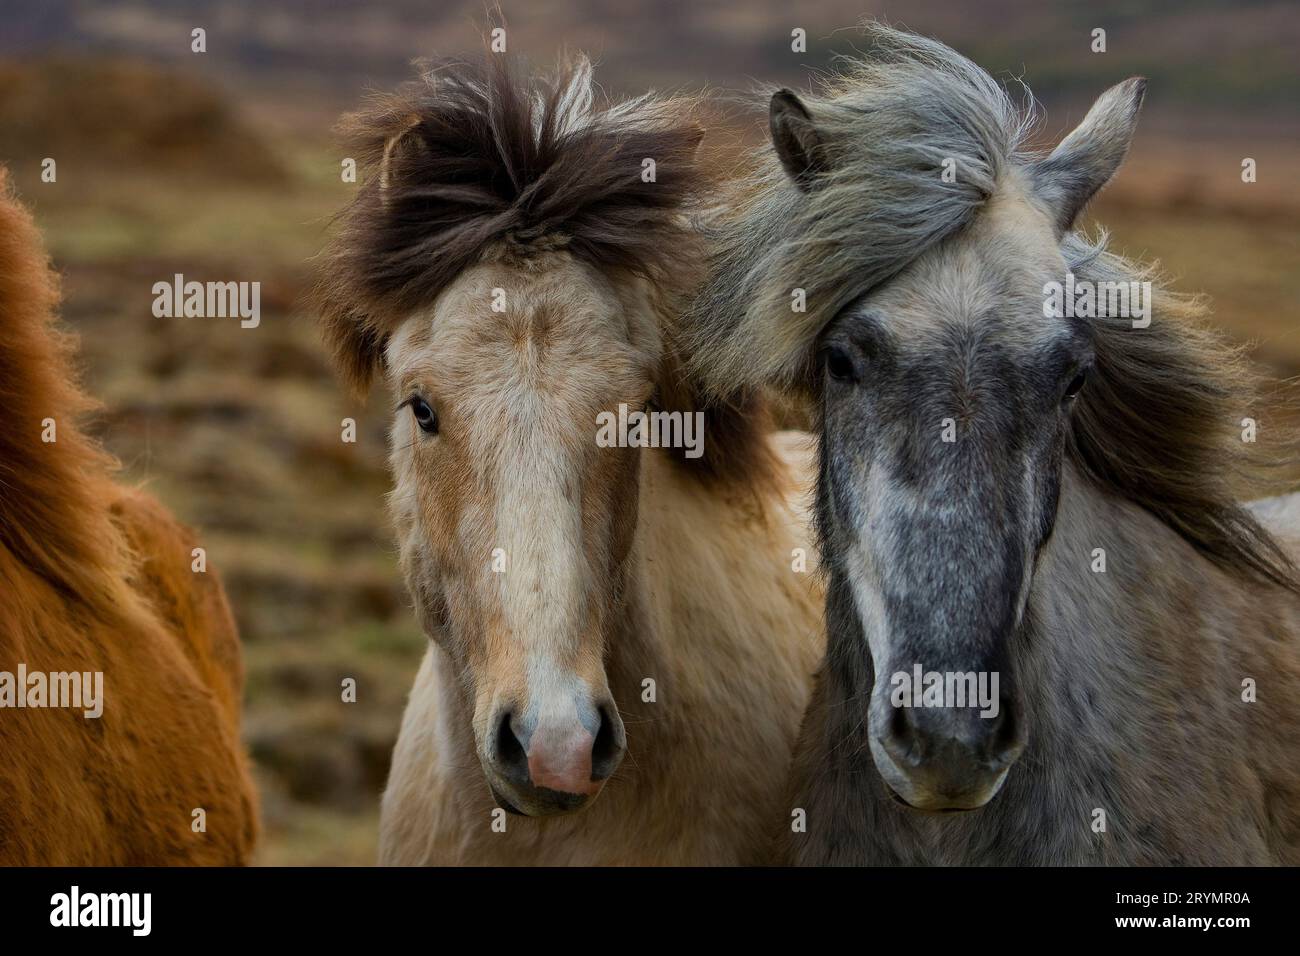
(54, 510)
(157, 638)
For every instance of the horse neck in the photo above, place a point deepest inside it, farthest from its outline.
(54, 482)
(1162, 624)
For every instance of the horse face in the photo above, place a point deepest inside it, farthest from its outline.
(946, 396)
(945, 393)
(514, 527)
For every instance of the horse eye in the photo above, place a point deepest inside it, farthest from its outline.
(1076, 384)
(425, 416)
(838, 364)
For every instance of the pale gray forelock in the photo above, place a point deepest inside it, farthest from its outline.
(889, 123)
(1088, 259)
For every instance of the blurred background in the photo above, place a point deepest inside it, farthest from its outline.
(220, 165)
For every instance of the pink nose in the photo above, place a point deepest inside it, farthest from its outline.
(559, 758)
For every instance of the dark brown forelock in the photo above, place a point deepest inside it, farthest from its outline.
(480, 153)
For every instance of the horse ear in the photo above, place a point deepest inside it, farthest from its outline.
(1087, 158)
(399, 150)
(797, 140)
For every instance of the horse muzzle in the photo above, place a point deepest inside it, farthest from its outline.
(553, 766)
(945, 760)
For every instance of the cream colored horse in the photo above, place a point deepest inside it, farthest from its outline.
(637, 620)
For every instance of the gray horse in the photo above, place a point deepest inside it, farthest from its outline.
(1045, 606)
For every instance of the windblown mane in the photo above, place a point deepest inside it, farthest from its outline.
(1161, 423)
(54, 495)
(97, 577)
(479, 153)
(889, 123)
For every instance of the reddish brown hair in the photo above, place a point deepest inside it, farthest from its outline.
(97, 578)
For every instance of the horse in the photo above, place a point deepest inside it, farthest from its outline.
(621, 641)
(1055, 636)
(100, 601)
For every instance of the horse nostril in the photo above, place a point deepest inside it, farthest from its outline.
(902, 740)
(510, 758)
(607, 751)
(1006, 736)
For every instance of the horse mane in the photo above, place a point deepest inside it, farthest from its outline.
(1159, 421)
(55, 497)
(478, 158)
(889, 122)
(478, 153)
